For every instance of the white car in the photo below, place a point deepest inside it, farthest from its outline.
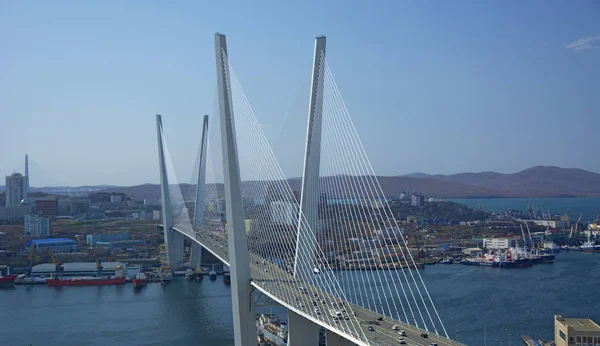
(403, 333)
(395, 327)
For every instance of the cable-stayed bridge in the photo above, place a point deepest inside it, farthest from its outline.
(331, 253)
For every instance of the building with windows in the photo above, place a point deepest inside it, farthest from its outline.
(417, 200)
(13, 213)
(284, 213)
(56, 245)
(499, 243)
(575, 331)
(46, 207)
(121, 244)
(73, 206)
(92, 239)
(37, 226)
(16, 189)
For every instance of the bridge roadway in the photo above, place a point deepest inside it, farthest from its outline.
(270, 281)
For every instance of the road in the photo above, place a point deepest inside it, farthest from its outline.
(285, 288)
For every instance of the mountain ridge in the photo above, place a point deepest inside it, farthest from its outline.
(537, 181)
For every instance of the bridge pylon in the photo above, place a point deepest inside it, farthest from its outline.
(304, 332)
(244, 324)
(173, 239)
(196, 249)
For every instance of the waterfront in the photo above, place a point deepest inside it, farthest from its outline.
(589, 206)
(476, 301)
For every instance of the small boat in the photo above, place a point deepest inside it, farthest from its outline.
(212, 275)
(589, 246)
(447, 260)
(189, 274)
(29, 280)
(227, 278)
(140, 280)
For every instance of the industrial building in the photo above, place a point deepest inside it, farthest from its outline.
(575, 331)
(56, 245)
(83, 269)
(499, 243)
(121, 244)
(92, 239)
(37, 226)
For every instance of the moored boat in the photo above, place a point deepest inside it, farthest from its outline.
(140, 280)
(118, 279)
(7, 281)
(86, 281)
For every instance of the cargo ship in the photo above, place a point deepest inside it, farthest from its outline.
(140, 280)
(227, 278)
(86, 281)
(118, 279)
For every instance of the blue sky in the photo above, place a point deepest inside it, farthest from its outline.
(437, 87)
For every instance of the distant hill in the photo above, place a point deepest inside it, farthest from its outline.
(539, 181)
(392, 187)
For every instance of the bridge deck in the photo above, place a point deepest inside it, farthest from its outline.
(270, 283)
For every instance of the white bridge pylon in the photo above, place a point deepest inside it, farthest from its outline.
(334, 265)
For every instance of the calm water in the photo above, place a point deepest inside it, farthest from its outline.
(589, 206)
(475, 300)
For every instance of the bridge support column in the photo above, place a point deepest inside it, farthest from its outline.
(176, 256)
(309, 200)
(244, 320)
(301, 331)
(195, 255)
(333, 339)
(166, 210)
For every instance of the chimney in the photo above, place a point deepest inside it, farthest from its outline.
(26, 173)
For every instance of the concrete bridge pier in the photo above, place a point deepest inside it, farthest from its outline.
(195, 255)
(302, 331)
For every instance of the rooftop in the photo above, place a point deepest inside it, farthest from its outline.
(52, 241)
(579, 324)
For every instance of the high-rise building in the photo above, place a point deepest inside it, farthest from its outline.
(16, 189)
(417, 200)
(37, 226)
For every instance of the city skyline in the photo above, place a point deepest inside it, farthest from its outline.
(81, 95)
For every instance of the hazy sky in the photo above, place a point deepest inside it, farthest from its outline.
(437, 87)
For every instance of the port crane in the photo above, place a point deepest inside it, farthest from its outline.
(31, 258)
(98, 263)
(58, 266)
(577, 224)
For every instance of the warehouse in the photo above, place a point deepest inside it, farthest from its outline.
(56, 245)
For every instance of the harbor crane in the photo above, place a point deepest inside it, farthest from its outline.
(58, 266)
(98, 263)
